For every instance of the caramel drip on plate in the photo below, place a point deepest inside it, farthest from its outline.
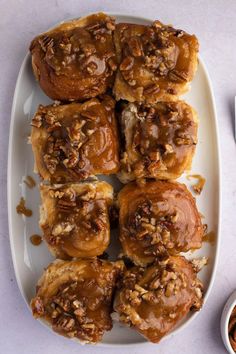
(198, 187)
(30, 182)
(21, 208)
(36, 240)
(209, 237)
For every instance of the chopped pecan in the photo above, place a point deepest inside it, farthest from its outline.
(199, 263)
(110, 26)
(74, 131)
(97, 225)
(86, 224)
(88, 326)
(152, 62)
(132, 82)
(112, 64)
(173, 116)
(91, 68)
(148, 226)
(66, 204)
(51, 163)
(134, 297)
(37, 120)
(154, 155)
(135, 46)
(63, 303)
(151, 90)
(174, 217)
(65, 323)
(172, 315)
(66, 47)
(177, 76)
(157, 24)
(145, 208)
(53, 127)
(70, 194)
(38, 306)
(179, 33)
(62, 228)
(140, 289)
(127, 63)
(72, 160)
(89, 194)
(155, 284)
(45, 42)
(50, 118)
(169, 148)
(183, 141)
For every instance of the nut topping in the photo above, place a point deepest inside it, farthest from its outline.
(169, 295)
(127, 64)
(45, 42)
(37, 121)
(62, 228)
(135, 46)
(51, 163)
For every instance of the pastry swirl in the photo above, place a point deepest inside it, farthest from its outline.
(74, 141)
(159, 140)
(158, 218)
(153, 300)
(75, 218)
(75, 297)
(75, 60)
(156, 62)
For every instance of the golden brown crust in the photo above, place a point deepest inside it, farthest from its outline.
(156, 63)
(157, 218)
(154, 299)
(72, 142)
(75, 60)
(159, 140)
(75, 220)
(75, 297)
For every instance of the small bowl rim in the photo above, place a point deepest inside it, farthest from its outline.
(227, 310)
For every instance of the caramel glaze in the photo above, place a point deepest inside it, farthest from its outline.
(210, 237)
(21, 208)
(154, 299)
(232, 329)
(72, 142)
(77, 222)
(36, 240)
(30, 182)
(164, 136)
(154, 61)
(198, 187)
(75, 297)
(76, 60)
(156, 218)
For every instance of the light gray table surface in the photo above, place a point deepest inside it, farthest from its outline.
(214, 22)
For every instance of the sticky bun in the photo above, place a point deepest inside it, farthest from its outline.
(75, 297)
(156, 62)
(159, 140)
(74, 141)
(75, 60)
(153, 300)
(74, 218)
(158, 218)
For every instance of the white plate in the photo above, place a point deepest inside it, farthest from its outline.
(29, 261)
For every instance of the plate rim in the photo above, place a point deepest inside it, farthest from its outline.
(219, 168)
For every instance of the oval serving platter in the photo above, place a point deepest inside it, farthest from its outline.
(29, 261)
